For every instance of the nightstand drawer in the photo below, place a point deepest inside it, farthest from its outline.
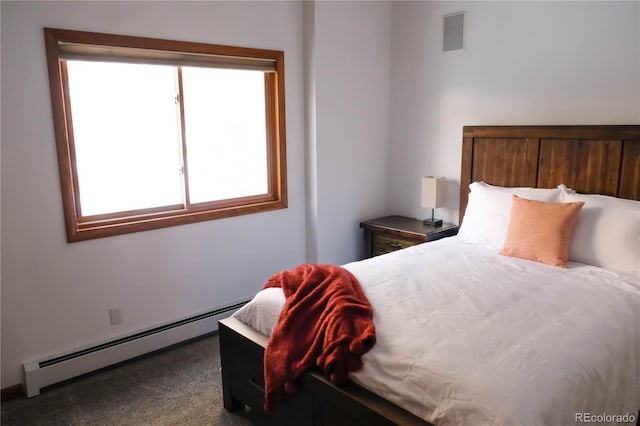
(391, 233)
(383, 243)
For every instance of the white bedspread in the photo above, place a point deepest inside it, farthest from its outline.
(467, 336)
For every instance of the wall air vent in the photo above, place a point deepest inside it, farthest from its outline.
(453, 33)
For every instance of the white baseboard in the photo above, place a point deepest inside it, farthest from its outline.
(57, 368)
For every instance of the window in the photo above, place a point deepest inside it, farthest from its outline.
(153, 133)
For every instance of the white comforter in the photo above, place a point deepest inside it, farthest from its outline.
(467, 336)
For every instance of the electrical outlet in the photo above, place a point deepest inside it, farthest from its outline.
(115, 315)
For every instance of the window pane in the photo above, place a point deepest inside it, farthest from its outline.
(226, 133)
(126, 136)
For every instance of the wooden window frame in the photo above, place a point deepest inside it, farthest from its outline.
(60, 42)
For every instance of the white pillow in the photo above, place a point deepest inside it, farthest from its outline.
(263, 311)
(607, 233)
(486, 218)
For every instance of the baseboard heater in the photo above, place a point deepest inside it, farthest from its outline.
(58, 368)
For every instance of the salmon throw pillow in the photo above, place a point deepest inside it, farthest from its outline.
(541, 231)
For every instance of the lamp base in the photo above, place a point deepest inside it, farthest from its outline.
(433, 222)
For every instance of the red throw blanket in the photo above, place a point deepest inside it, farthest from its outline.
(326, 321)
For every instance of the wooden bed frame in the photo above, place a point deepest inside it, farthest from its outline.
(589, 159)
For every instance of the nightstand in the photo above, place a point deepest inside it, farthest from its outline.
(391, 233)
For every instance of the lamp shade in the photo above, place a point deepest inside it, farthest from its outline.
(432, 192)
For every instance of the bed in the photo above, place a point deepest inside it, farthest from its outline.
(486, 388)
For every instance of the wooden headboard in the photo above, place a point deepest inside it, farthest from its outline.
(588, 159)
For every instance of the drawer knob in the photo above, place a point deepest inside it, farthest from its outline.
(394, 245)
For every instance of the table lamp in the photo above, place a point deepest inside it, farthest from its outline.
(432, 197)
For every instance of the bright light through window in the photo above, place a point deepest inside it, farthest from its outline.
(129, 108)
(225, 132)
(153, 133)
(126, 136)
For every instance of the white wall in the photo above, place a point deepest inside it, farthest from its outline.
(351, 72)
(524, 63)
(55, 296)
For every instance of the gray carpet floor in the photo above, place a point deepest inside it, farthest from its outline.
(178, 386)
